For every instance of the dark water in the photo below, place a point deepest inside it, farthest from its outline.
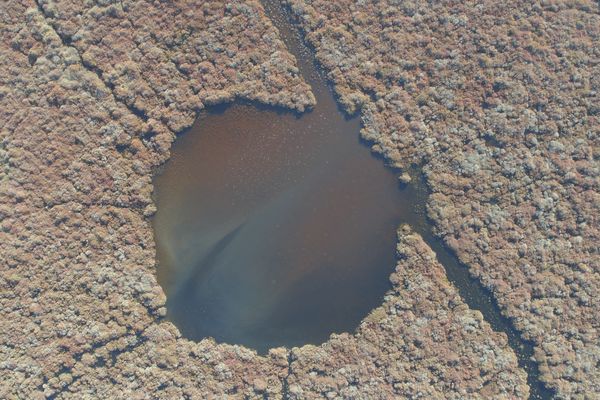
(275, 228)
(279, 229)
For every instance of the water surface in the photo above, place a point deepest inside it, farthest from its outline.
(275, 228)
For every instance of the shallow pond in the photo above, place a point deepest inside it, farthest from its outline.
(279, 229)
(275, 228)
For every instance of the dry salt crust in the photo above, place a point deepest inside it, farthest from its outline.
(91, 97)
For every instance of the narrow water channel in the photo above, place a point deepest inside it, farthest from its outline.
(471, 290)
(275, 228)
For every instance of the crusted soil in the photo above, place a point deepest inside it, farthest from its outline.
(499, 104)
(92, 95)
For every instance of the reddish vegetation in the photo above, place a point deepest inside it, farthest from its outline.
(79, 144)
(90, 99)
(499, 102)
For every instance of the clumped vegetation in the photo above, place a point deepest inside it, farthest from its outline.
(498, 102)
